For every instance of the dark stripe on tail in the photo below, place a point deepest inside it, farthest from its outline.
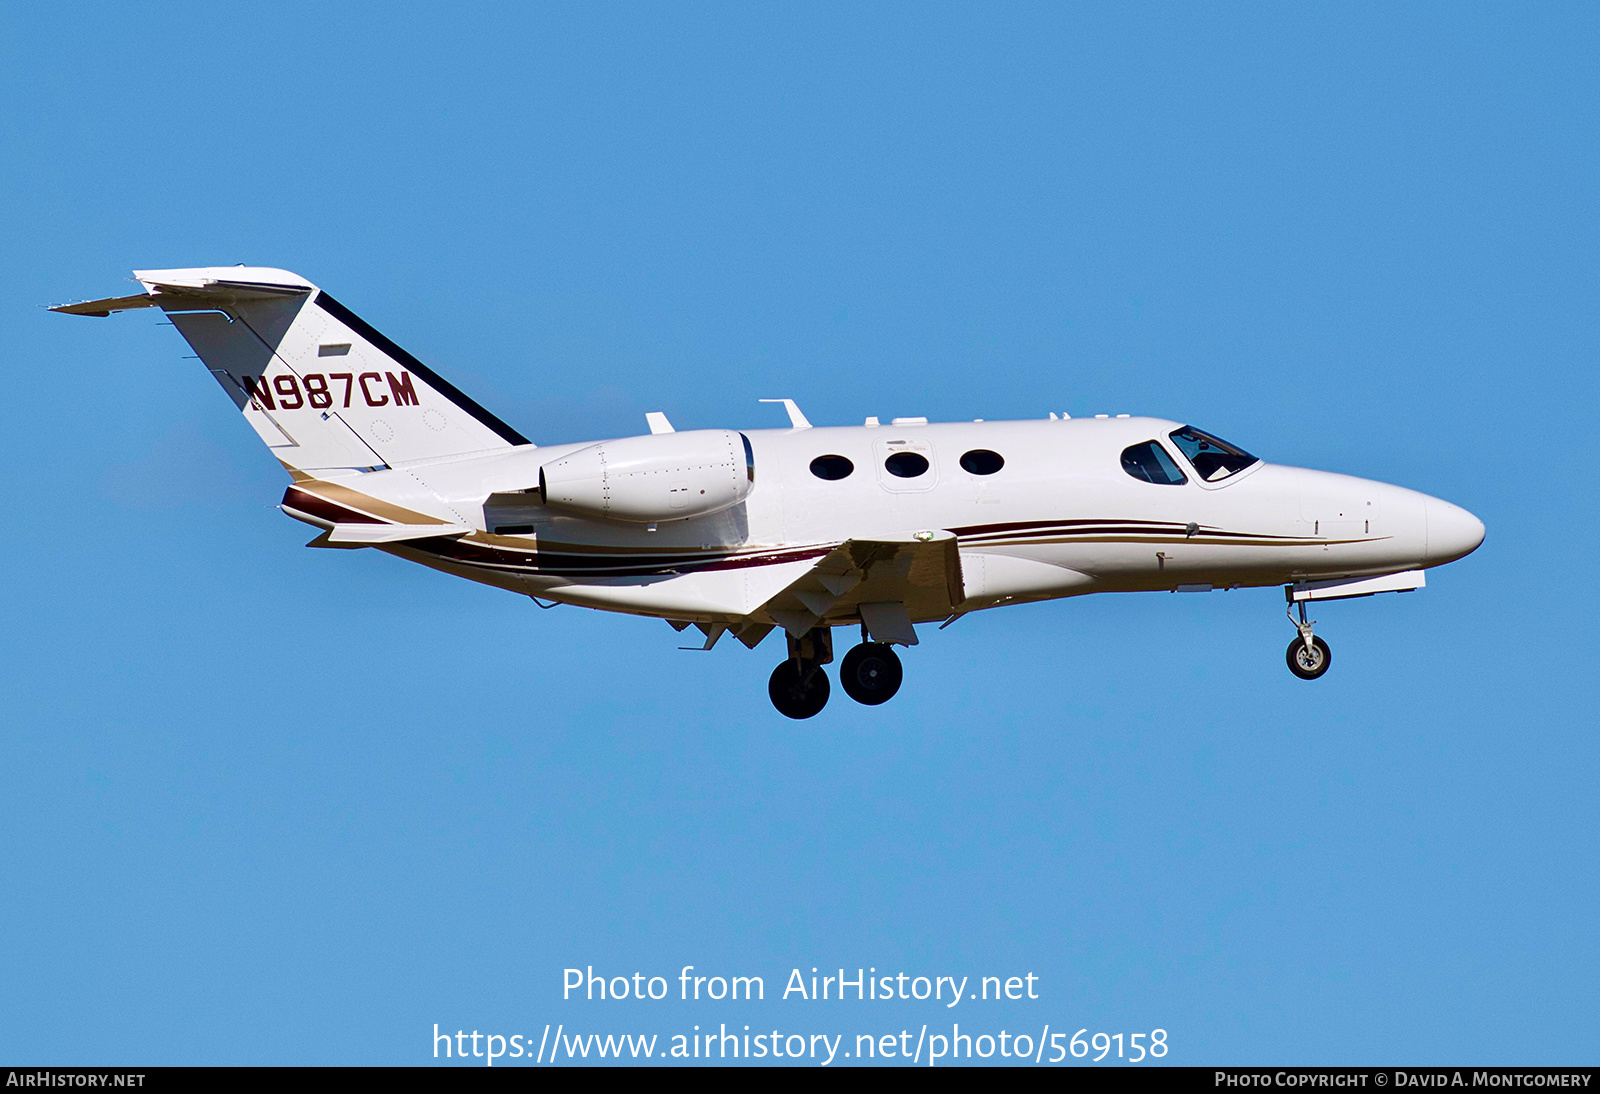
(437, 382)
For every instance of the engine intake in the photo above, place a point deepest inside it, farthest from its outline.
(664, 476)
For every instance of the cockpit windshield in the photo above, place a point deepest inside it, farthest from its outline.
(1214, 458)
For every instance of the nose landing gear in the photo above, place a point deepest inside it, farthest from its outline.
(1308, 655)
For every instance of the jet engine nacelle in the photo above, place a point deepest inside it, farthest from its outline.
(665, 476)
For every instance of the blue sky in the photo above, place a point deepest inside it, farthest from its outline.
(264, 804)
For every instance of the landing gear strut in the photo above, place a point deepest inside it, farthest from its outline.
(1308, 655)
(798, 687)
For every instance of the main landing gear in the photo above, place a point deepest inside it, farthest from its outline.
(1308, 655)
(798, 687)
(870, 674)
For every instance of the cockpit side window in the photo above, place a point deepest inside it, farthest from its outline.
(1214, 458)
(1149, 462)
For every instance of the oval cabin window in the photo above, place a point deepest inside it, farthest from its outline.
(980, 461)
(832, 467)
(906, 465)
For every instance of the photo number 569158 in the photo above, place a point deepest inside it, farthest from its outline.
(1136, 1051)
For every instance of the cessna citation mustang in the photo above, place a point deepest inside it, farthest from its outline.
(801, 529)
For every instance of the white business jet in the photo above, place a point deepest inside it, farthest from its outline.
(881, 526)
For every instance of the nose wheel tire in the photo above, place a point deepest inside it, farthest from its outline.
(1309, 664)
(871, 673)
(798, 693)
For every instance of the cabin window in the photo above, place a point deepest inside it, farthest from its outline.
(1149, 462)
(1213, 458)
(832, 467)
(906, 465)
(980, 461)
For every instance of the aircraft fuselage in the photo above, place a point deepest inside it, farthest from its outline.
(1060, 517)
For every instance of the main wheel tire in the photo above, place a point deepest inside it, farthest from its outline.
(1309, 664)
(871, 673)
(800, 694)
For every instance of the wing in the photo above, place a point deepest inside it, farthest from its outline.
(888, 584)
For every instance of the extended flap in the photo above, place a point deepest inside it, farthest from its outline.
(919, 570)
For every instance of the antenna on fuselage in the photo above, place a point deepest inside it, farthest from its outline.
(796, 419)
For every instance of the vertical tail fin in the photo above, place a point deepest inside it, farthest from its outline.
(320, 386)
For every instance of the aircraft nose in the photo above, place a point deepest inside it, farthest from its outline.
(1452, 532)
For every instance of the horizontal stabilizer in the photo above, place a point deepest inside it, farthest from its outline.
(392, 533)
(105, 307)
(198, 288)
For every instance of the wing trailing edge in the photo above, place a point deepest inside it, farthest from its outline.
(888, 583)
